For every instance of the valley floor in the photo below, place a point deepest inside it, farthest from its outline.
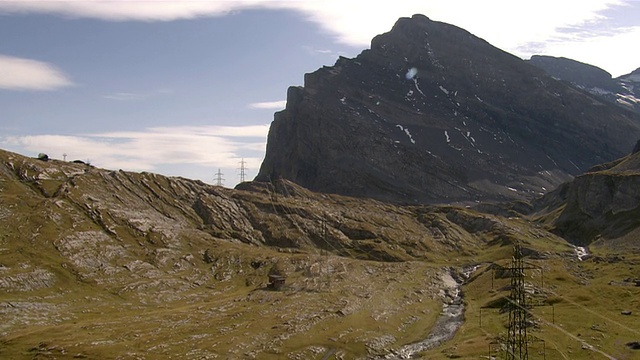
(330, 305)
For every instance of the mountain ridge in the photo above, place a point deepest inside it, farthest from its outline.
(623, 90)
(432, 113)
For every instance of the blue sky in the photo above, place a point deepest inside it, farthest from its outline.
(184, 88)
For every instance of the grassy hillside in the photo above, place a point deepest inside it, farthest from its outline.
(105, 264)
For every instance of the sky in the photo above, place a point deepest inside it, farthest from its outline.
(184, 88)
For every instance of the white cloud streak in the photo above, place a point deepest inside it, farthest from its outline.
(123, 10)
(136, 96)
(271, 105)
(125, 96)
(26, 74)
(211, 146)
(514, 26)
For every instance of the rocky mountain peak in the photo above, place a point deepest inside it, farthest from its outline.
(432, 113)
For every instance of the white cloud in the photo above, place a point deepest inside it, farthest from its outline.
(273, 105)
(134, 96)
(522, 28)
(26, 74)
(148, 10)
(125, 96)
(622, 47)
(211, 146)
(519, 27)
(253, 131)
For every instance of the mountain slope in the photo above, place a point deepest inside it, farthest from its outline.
(602, 205)
(623, 91)
(112, 264)
(432, 113)
(106, 264)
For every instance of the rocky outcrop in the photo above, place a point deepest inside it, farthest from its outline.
(603, 204)
(124, 231)
(432, 113)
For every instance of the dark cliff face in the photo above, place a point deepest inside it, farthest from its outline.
(432, 113)
(623, 91)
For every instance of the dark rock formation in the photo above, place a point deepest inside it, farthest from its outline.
(432, 113)
(623, 91)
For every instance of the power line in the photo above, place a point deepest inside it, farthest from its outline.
(565, 332)
(520, 315)
(595, 313)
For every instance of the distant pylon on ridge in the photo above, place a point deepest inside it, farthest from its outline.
(218, 179)
(242, 170)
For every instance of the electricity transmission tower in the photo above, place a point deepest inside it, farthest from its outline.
(218, 179)
(325, 232)
(517, 348)
(242, 170)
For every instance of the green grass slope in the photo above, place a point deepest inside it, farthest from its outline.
(105, 264)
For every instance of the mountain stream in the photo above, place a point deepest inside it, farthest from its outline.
(450, 319)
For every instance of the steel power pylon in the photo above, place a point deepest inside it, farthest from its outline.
(218, 179)
(517, 348)
(243, 170)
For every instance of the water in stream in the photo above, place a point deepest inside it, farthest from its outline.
(450, 319)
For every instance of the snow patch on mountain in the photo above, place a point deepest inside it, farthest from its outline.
(599, 91)
(406, 131)
(628, 99)
(415, 81)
